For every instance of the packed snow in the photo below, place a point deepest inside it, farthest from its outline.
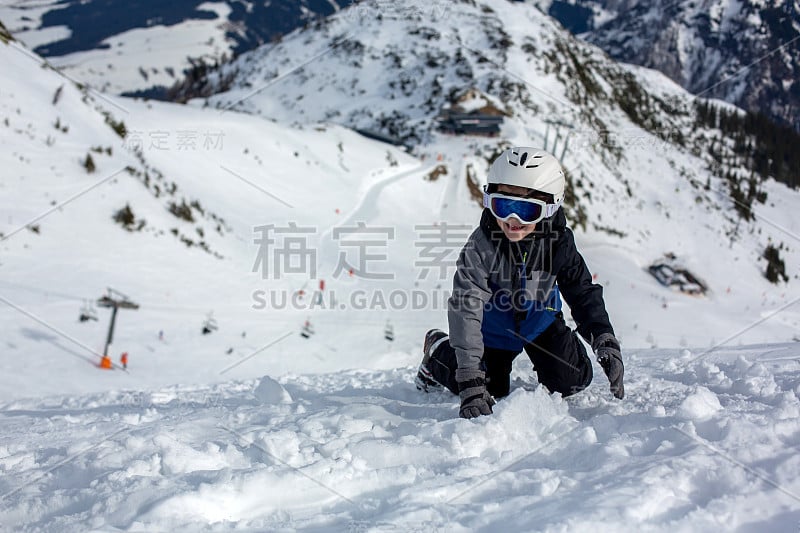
(698, 444)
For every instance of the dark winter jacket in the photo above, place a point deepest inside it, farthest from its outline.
(505, 294)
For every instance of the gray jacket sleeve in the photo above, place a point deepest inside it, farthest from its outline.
(470, 293)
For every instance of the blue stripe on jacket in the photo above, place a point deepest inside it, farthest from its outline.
(500, 330)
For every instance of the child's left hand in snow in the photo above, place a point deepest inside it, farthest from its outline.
(606, 348)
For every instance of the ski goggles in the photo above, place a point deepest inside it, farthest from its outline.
(527, 210)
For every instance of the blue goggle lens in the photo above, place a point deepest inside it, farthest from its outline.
(523, 210)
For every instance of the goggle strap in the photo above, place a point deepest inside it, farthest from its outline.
(551, 210)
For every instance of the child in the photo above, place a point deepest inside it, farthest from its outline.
(506, 295)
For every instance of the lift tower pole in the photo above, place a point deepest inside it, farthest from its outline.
(115, 300)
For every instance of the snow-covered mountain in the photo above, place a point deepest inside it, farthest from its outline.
(745, 52)
(396, 73)
(254, 426)
(143, 47)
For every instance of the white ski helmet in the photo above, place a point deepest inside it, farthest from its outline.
(529, 167)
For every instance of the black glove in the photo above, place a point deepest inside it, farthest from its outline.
(606, 348)
(475, 401)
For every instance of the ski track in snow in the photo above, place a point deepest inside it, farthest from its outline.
(364, 210)
(702, 444)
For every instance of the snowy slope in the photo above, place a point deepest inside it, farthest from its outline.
(145, 46)
(244, 172)
(194, 437)
(250, 173)
(700, 444)
(642, 192)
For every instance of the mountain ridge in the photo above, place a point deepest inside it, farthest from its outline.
(747, 53)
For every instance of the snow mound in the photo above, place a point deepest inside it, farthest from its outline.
(269, 391)
(699, 405)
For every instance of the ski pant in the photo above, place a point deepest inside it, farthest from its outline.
(558, 357)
